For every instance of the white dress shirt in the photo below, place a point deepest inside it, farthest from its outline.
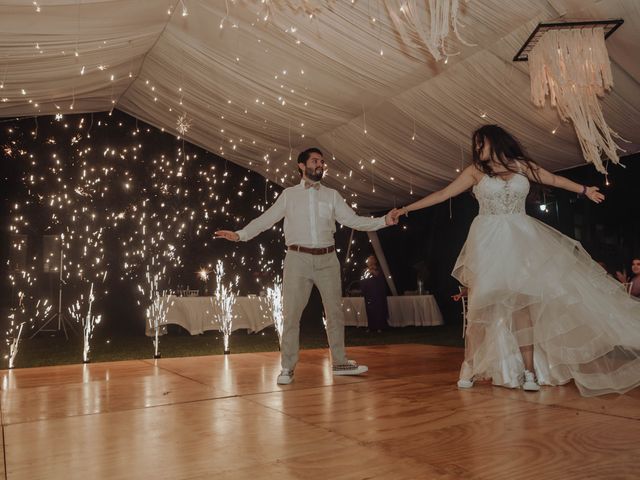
(310, 217)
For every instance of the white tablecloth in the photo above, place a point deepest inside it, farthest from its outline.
(404, 311)
(195, 314)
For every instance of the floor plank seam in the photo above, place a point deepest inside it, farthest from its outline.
(562, 407)
(183, 376)
(311, 387)
(185, 402)
(606, 414)
(328, 430)
(4, 453)
(193, 401)
(360, 443)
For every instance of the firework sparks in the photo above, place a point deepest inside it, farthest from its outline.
(223, 303)
(88, 321)
(117, 206)
(13, 348)
(183, 124)
(159, 303)
(28, 312)
(203, 274)
(274, 300)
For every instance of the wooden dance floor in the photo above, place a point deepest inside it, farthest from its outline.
(225, 418)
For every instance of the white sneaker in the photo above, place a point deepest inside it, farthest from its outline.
(462, 383)
(530, 383)
(285, 377)
(466, 376)
(349, 368)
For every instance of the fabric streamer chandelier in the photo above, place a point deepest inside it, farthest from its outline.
(569, 63)
(424, 22)
(430, 25)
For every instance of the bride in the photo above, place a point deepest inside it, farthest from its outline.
(541, 311)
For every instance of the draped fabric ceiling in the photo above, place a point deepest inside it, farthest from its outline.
(390, 119)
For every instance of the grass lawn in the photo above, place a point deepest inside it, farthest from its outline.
(56, 350)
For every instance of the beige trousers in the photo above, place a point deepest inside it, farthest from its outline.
(301, 272)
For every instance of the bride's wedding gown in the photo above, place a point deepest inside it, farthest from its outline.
(531, 285)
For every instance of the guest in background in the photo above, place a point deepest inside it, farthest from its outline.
(633, 281)
(374, 290)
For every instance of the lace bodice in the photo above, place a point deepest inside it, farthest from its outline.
(497, 196)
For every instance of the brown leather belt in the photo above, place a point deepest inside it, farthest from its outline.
(312, 251)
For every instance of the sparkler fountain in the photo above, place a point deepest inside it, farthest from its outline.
(223, 302)
(274, 300)
(13, 348)
(89, 321)
(159, 303)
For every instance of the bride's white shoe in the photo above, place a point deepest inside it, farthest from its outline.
(466, 376)
(462, 383)
(530, 382)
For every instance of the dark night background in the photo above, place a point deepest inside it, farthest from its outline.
(195, 192)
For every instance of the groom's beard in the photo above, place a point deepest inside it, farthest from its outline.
(314, 175)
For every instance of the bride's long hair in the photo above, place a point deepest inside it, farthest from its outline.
(504, 149)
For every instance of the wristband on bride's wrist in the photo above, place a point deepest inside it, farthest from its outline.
(584, 191)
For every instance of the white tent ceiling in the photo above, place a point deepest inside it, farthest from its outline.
(257, 91)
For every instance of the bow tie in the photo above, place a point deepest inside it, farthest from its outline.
(315, 185)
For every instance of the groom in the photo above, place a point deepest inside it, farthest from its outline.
(310, 211)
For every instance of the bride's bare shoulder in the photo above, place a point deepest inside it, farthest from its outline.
(474, 172)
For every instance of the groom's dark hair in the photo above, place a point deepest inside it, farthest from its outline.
(304, 156)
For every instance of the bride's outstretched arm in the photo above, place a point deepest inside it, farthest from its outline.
(464, 182)
(548, 178)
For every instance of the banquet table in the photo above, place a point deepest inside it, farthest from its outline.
(196, 314)
(406, 310)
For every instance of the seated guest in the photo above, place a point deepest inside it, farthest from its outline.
(374, 291)
(633, 281)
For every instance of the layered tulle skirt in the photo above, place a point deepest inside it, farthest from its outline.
(531, 285)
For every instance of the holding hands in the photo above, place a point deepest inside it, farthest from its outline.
(396, 213)
(391, 218)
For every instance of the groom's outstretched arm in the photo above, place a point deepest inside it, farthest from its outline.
(346, 216)
(274, 214)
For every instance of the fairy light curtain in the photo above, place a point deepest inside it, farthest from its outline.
(256, 91)
(571, 66)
